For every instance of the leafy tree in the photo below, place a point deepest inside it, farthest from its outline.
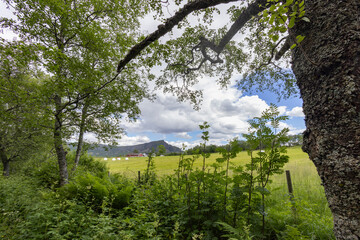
(21, 117)
(161, 150)
(324, 48)
(270, 158)
(296, 140)
(78, 43)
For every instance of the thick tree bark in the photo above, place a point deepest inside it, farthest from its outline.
(58, 141)
(327, 68)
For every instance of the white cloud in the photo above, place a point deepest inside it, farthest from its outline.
(183, 135)
(282, 110)
(226, 110)
(292, 129)
(124, 141)
(129, 141)
(296, 112)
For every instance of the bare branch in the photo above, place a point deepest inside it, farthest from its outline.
(273, 53)
(283, 49)
(168, 26)
(252, 10)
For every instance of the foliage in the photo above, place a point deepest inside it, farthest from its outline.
(76, 44)
(150, 166)
(95, 192)
(45, 170)
(161, 150)
(160, 210)
(21, 116)
(270, 158)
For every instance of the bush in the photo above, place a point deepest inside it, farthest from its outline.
(96, 192)
(30, 212)
(87, 164)
(45, 171)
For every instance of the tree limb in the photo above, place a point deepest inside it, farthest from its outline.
(283, 48)
(168, 26)
(252, 10)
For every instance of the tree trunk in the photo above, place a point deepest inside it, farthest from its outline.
(59, 148)
(81, 135)
(327, 68)
(5, 161)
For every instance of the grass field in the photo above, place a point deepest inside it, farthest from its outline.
(306, 182)
(301, 168)
(303, 172)
(308, 213)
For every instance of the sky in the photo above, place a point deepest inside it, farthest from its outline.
(226, 110)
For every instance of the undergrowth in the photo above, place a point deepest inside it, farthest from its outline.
(203, 202)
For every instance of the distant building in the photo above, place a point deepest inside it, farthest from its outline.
(135, 155)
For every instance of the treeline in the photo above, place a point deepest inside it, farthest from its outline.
(293, 140)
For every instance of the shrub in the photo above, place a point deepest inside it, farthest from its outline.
(96, 192)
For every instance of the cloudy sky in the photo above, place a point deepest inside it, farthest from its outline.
(226, 110)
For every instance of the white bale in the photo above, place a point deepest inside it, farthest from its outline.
(118, 158)
(105, 159)
(113, 159)
(126, 158)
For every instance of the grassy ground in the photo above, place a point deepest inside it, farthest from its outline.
(305, 180)
(303, 172)
(302, 169)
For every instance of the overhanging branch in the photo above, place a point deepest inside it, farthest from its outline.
(168, 26)
(252, 10)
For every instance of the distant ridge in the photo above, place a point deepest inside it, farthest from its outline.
(107, 151)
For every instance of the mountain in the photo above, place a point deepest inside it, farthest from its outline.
(114, 151)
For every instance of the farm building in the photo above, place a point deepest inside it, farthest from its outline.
(135, 155)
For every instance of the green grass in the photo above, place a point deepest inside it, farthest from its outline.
(306, 182)
(300, 166)
(305, 179)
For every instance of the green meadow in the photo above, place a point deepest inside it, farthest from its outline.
(305, 181)
(303, 171)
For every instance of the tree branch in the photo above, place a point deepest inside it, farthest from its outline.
(252, 10)
(168, 26)
(283, 48)
(273, 52)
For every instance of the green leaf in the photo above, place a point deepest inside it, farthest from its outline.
(302, 3)
(275, 38)
(272, 19)
(292, 22)
(272, 8)
(305, 19)
(289, 2)
(293, 46)
(299, 38)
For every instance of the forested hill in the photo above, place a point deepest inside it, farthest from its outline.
(106, 151)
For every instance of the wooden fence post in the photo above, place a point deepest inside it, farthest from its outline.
(291, 194)
(289, 184)
(139, 176)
